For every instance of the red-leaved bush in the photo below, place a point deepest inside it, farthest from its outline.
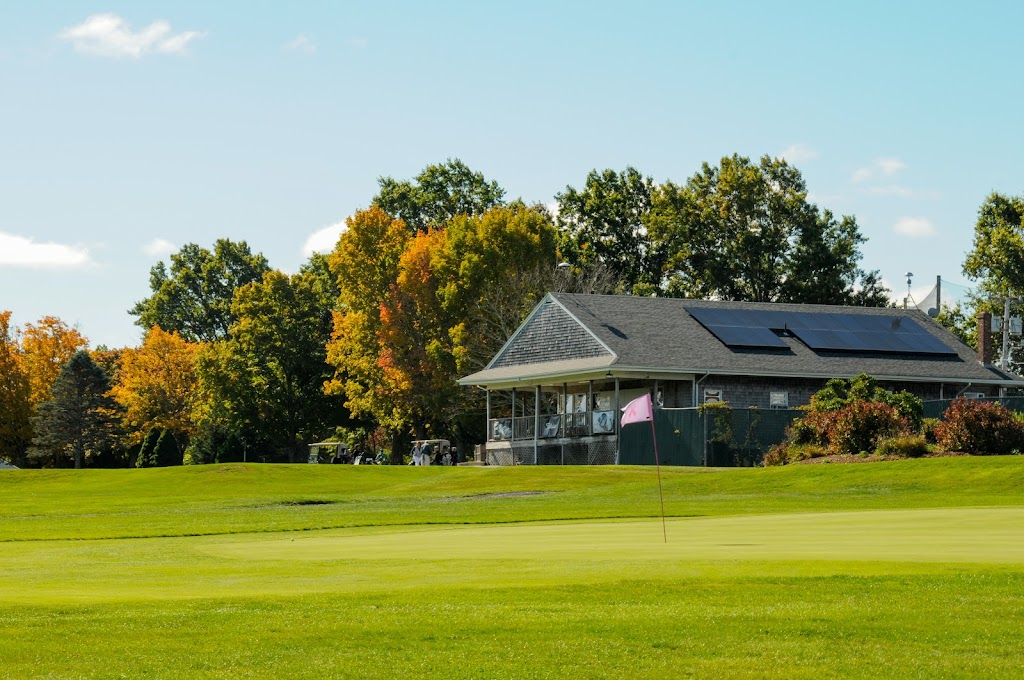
(857, 426)
(979, 427)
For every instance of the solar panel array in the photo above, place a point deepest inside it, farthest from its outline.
(821, 331)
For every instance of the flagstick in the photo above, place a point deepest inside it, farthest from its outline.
(657, 463)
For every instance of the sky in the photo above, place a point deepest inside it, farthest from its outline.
(128, 129)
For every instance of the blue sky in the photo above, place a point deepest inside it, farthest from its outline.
(130, 128)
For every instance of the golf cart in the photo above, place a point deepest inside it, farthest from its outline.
(328, 452)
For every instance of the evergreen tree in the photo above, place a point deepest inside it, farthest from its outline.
(147, 454)
(167, 452)
(76, 420)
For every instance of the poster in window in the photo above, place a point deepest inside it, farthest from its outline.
(581, 403)
(604, 422)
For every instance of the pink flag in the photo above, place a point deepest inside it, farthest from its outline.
(638, 410)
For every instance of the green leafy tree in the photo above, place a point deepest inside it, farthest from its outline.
(194, 298)
(275, 360)
(996, 257)
(745, 231)
(603, 223)
(437, 194)
(996, 262)
(75, 422)
(960, 323)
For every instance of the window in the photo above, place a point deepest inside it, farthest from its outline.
(778, 400)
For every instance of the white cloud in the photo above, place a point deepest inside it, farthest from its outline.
(302, 43)
(19, 251)
(915, 227)
(902, 192)
(323, 240)
(159, 247)
(890, 166)
(880, 167)
(798, 153)
(108, 35)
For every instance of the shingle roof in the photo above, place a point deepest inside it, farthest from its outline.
(658, 334)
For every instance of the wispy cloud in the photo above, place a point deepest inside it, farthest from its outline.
(323, 240)
(798, 153)
(880, 167)
(900, 191)
(108, 35)
(159, 247)
(359, 43)
(18, 251)
(915, 227)
(303, 42)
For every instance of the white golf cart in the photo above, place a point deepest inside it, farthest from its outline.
(328, 452)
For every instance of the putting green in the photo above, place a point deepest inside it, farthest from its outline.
(952, 535)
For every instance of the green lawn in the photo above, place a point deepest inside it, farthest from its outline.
(901, 569)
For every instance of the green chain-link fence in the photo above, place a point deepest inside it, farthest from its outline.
(722, 437)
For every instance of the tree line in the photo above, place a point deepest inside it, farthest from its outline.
(241, 361)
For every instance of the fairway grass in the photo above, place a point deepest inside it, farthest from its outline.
(883, 570)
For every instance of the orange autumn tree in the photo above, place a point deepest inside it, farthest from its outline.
(45, 348)
(157, 386)
(365, 262)
(415, 355)
(15, 405)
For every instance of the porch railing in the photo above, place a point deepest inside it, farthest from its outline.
(552, 426)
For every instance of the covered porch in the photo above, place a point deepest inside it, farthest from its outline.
(572, 421)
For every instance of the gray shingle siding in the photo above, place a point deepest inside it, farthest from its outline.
(550, 335)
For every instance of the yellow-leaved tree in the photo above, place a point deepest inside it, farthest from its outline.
(45, 348)
(365, 263)
(157, 386)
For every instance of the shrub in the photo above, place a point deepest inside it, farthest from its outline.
(979, 427)
(782, 454)
(806, 452)
(908, 446)
(861, 425)
(776, 455)
(928, 429)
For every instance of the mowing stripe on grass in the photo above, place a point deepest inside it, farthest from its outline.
(951, 535)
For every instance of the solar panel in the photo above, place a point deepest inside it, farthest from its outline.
(821, 331)
(736, 331)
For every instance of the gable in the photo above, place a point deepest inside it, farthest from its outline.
(550, 334)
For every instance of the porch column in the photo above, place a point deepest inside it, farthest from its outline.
(536, 420)
(487, 426)
(563, 421)
(513, 414)
(618, 446)
(590, 407)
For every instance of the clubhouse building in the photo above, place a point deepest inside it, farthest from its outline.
(555, 388)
